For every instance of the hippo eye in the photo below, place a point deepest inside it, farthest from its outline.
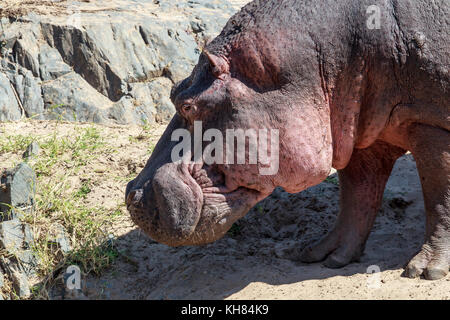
(186, 107)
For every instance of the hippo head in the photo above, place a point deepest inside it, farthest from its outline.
(228, 146)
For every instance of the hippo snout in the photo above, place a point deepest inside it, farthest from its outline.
(167, 206)
(185, 202)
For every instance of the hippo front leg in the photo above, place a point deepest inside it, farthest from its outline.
(431, 149)
(362, 184)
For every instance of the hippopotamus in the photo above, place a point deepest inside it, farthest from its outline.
(344, 84)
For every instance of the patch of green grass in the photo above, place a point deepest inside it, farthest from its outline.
(150, 149)
(145, 133)
(81, 148)
(14, 143)
(332, 179)
(84, 190)
(84, 227)
(64, 155)
(234, 230)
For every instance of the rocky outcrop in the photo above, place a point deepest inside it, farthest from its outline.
(106, 62)
(17, 259)
(17, 190)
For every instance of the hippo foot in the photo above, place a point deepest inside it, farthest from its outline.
(432, 262)
(336, 251)
(365, 175)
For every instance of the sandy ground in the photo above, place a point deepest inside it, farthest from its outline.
(252, 261)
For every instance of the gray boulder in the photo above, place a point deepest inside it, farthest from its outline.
(70, 97)
(32, 150)
(51, 64)
(62, 239)
(12, 236)
(18, 260)
(18, 278)
(9, 108)
(16, 239)
(17, 191)
(29, 92)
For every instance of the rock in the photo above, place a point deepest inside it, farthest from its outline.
(9, 108)
(155, 94)
(99, 169)
(17, 191)
(12, 236)
(28, 262)
(16, 240)
(116, 65)
(160, 92)
(62, 240)
(20, 283)
(51, 64)
(2, 282)
(29, 91)
(26, 53)
(18, 260)
(71, 98)
(144, 104)
(32, 150)
(123, 112)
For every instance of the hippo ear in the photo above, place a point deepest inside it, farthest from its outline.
(219, 65)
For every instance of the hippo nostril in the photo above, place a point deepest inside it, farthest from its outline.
(135, 198)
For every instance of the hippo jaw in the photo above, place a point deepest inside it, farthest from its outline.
(179, 206)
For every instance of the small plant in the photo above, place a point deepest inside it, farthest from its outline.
(84, 190)
(260, 208)
(332, 179)
(145, 133)
(234, 230)
(150, 149)
(14, 143)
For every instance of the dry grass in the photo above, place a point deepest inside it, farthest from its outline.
(82, 171)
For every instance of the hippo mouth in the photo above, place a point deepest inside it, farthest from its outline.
(180, 203)
(187, 204)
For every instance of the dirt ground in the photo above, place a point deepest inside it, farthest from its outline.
(252, 261)
(21, 7)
